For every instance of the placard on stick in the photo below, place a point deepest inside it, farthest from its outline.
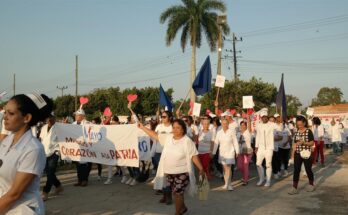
(220, 81)
(310, 111)
(196, 109)
(248, 102)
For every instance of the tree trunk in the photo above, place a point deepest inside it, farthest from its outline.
(193, 73)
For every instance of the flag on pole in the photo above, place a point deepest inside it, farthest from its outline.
(202, 83)
(281, 100)
(164, 100)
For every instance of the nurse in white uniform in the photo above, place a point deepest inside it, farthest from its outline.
(22, 156)
(229, 149)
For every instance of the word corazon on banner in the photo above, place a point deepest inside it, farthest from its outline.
(109, 145)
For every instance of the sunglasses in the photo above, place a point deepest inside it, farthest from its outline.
(163, 117)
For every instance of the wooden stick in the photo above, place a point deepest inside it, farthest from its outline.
(184, 99)
(217, 94)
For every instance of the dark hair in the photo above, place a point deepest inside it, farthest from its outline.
(302, 119)
(115, 118)
(170, 115)
(182, 124)
(243, 122)
(97, 120)
(316, 121)
(217, 121)
(27, 106)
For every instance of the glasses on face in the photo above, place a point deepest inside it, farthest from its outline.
(163, 117)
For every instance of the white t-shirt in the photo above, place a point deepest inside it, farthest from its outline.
(318, 132)
(284, 132)
(27, 156)
(265, 136)
(175, 161)
(162, 130)
(205, 140)
(228, 143)
(49, 140)
(336, 135)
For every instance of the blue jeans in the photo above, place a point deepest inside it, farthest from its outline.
(336, 147)
(51, 166)
(156, 159)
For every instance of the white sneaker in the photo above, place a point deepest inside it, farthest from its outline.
(108, 181)
(310, 188)
(267, 184)
(124, 179)
(133, 183)
(129, 181)
(276, 176)
(99, 178)
(260, 182)
(286, 173)
(230, 188)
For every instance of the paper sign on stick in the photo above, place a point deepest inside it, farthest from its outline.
(220, 81)
(196, 109)
(248, 102)
(310, 111)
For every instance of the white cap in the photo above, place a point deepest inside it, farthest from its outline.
(264, 113)
(226, 113)
(276, 115)
(212, 115)
(238, 115)
(80, 112)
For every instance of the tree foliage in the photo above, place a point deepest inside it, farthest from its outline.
(328, 96)
(231, 96)
(115, 98)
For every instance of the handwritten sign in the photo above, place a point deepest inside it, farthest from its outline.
(248, 102)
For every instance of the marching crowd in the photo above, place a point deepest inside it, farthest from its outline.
(217, 145)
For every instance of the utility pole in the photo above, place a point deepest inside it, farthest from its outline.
(62, 89)
(14, 84)
(234, 40)
(76, 79)
(221, 19)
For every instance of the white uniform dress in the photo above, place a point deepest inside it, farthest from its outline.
(229, 146)
(27, 156)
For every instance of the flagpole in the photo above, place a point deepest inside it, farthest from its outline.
(184, 99)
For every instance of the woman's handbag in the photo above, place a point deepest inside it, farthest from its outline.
(305, 154)
(203, 188)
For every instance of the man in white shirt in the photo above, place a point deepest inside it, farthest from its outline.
(49, 139)
(264, 148)
(336, 136)
(83, 168)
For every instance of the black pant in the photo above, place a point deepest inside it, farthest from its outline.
(284, 157)
(50, 169)
(298, 160)
(275, 162)
(218, 166)
(83, 170)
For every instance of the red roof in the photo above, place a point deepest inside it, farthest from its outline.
(331, 109)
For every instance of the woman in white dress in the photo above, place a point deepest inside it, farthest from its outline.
(22, 156)
(229, 150)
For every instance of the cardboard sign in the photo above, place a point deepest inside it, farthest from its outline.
(248, 102)
(310, 111)
(220, 81)
(196, 109)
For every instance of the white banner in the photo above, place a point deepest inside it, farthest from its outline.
(248, 102)
(104, 144)
(144, 146)
(196, 109)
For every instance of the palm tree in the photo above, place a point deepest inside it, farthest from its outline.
(194, 17)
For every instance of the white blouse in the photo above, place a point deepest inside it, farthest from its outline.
(27, 156)
(49, 140)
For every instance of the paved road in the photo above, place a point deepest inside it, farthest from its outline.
(330, 197)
